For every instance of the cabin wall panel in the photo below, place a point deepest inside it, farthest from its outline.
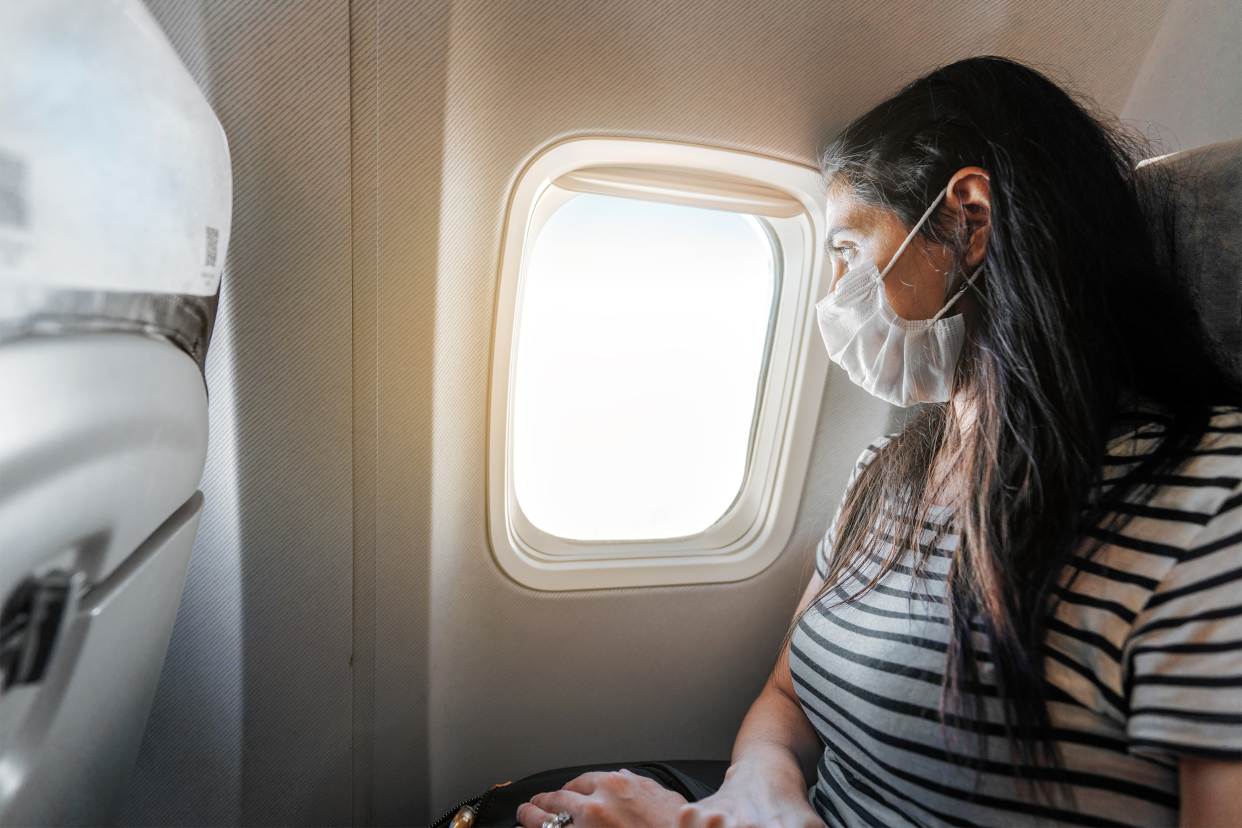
(1187, 92)
(409, 45)
(364, 183)
(1093, 49)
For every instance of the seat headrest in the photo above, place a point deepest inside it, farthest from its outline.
(1195, 207)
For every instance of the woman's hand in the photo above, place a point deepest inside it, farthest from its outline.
(752, 797)
(775, 752)
(602, 800)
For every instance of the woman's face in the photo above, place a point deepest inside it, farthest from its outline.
(919, 281)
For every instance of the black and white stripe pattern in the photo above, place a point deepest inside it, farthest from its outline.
(1143, 662)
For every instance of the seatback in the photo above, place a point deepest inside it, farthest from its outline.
(115, 193)
(101, 448)
(1195, 207)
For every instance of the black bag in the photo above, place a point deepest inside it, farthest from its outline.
(694, 779)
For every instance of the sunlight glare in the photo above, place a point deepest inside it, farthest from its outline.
(639, 352)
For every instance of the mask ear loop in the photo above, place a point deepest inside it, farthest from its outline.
(913, 233)
(956, 296)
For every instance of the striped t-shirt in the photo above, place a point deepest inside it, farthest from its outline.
(1143, 662)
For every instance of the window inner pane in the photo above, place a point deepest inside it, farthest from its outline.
(641, 340)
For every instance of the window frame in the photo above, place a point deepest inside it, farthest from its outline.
(757, 526)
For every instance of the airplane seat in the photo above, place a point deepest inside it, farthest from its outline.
(1195, 209)
(115, 210)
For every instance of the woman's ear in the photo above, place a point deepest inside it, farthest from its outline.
(970, 199)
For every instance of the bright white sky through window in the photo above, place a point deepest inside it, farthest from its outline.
(641, 341)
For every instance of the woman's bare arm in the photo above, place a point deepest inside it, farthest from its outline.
(1211, 793)
(774, 755)
(776, 721)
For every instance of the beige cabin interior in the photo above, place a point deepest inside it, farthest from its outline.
(347, 650)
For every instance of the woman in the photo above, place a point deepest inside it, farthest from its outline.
(1026, 611)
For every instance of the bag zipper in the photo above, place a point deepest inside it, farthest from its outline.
(478, 804)
(484, 801)
(471, 803)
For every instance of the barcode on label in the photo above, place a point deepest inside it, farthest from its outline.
(12, 191)
(213, 236)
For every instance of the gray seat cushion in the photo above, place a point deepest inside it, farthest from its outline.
(1195, 205)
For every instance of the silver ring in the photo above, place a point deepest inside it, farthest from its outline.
(559, 821)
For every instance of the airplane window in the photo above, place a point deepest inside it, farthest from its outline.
(655, 384)
(641, 341)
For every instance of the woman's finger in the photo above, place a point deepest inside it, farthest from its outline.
(531, 816)
(556, 801)
(584, 784)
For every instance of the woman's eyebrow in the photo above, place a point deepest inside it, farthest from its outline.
(840, 228)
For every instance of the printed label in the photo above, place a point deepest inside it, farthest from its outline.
(213, 238)
(13, 210)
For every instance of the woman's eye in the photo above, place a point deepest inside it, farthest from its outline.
(844, 252)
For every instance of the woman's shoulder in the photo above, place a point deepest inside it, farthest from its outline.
(1199, 486)
(873, 450)
(1220, 445)
(865, 459)
(1138, 430)
(1159, 572)
(868, 456)
(1217, 452)
(1225, 421)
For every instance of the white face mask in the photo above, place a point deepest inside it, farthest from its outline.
(898, 360)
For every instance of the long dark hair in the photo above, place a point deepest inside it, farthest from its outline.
(1074, 311)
